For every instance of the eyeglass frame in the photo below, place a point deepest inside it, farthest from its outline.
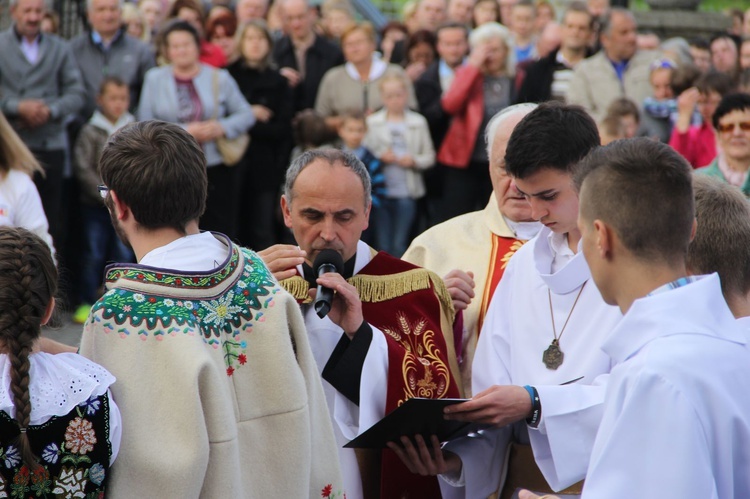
(730, 127)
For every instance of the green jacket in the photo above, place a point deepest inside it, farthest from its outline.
(712, 170)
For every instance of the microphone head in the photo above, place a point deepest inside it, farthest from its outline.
(329, 257)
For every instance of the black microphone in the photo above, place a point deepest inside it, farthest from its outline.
(327, 260)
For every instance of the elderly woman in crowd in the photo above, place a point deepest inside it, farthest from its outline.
(354, 85)
(267, 157)
(209, 105)
(480, 89)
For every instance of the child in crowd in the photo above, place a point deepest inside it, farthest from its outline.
(352, 131)
(611, 129)
(523, 18)
(626, 111)
(401, 139)
(59, 428)
(102, 243)
(659, 108)
(697, 143)
(310, 131)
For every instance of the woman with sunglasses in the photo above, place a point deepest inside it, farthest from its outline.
(731, 120)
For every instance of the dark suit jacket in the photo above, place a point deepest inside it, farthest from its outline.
(429, 91)
(320, 57)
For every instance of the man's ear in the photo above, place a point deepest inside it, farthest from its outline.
(122, 210)
(286, 210)
(368, 210)
(605, 239)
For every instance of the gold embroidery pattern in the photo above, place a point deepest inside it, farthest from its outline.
(513, 248)
(425, 374)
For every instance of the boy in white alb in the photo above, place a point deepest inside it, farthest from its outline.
(674, 423)
(543, 328)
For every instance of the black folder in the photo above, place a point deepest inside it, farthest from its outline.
(415, 416)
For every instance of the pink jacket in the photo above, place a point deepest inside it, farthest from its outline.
(697, 145)
(464, 100)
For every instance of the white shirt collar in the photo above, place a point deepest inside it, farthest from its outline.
(377, 69)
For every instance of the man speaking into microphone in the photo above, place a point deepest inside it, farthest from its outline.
(388, 335)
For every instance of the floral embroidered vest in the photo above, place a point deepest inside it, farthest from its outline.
(73, 451)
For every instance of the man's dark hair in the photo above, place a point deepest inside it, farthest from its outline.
(551, 136)
(722, 241)
(713, 81)
(452, 25)
(700, 43)
(159, 171)
(643, 189)
(729, 103)
(729, 36)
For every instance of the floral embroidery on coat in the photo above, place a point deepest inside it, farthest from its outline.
(73, 455)
(220, 320)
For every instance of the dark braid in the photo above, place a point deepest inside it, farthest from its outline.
(28, 282)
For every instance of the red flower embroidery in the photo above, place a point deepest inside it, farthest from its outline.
(22, 477)
(140, 276)
(159, 276)
(242, 358)
(152, 300)
(230, 370)
(246, 292)
(326, 492)
(179, 282)
(40, 475)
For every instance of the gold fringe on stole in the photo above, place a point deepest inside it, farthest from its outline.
(377, 288)
(298, 288)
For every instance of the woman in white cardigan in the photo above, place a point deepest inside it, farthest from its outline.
(209, 105)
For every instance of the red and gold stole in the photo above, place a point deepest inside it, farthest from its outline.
(413, 309)
(502, 249)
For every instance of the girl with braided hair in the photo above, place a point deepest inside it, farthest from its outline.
(59, 427)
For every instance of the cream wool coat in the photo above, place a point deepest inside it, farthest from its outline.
(595, 84)
(218, 388)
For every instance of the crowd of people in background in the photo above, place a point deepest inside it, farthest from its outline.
(411, 100)
(219, 153)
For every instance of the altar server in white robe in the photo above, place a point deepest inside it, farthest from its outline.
(675, 423)
(544, 328)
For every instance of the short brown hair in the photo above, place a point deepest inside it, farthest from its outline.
(643, 190)
(113, 80)
(159, 171)
(622, 107)
(365, 27)
(722, 241)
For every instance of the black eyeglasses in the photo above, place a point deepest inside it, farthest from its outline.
(103, 190)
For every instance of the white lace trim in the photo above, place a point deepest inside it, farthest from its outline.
(58, 384)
